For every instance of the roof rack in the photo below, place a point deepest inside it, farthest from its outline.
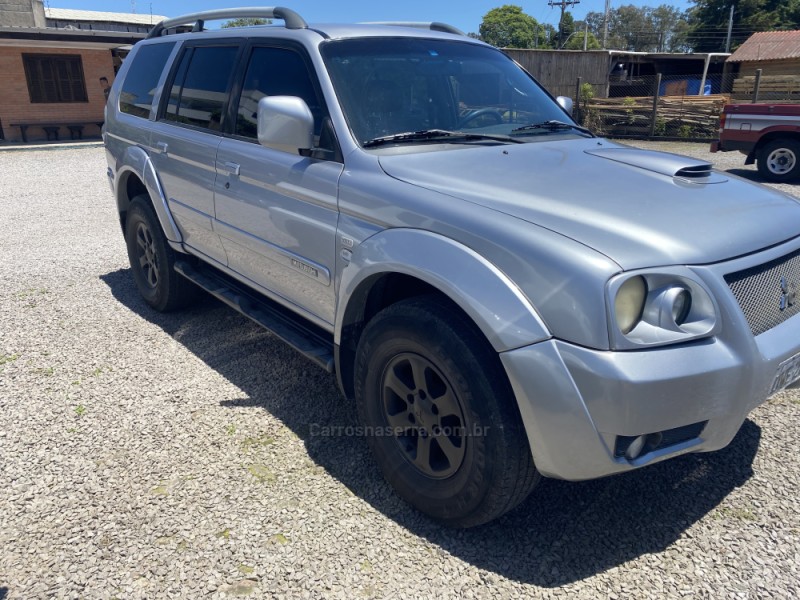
(433, 26)
(290, 18)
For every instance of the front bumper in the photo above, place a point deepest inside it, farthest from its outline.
(579, 405)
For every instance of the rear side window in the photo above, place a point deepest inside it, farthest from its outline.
(199, 91)
(274, 72)
(139, 86)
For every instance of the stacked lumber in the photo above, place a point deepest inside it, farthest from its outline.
(771, 87)
(631, 115)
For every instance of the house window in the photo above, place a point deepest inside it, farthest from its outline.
(55, 78)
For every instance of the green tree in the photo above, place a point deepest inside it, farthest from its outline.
(633, 29)
(670, 27)
(246, 22)
(576, 42)
(708, 21)
(509, 27)
(642, 28)
(547, 36)
(565, 28)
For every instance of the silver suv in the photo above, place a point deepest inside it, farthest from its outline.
(505, 295)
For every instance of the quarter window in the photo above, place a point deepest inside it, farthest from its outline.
(136, 96)
(55, 78)
(198, 93)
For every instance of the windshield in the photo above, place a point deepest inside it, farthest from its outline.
(388, 86)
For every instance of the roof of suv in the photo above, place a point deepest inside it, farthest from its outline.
(294, 22)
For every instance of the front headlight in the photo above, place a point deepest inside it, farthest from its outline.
(629, 303)
(656, 308)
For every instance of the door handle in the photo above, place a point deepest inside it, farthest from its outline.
(232, 168)
(162, 147)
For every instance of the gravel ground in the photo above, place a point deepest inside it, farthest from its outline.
(179, 456)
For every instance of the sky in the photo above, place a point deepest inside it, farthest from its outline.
(464, 14)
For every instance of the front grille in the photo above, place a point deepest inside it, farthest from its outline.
(768, 294)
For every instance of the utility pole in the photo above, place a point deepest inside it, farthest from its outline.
(563, 4)
(605, 23)
(730, 29)
(585, 35)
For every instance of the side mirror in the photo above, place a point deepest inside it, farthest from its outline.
(566, 103)
(285, 123)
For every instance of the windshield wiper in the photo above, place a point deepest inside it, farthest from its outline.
(553, 125)
(434, 134)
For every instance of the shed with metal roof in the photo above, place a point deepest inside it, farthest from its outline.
(774, 52)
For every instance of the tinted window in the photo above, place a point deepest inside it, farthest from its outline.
(394, 85)
(274, 72)
(140, 84)
(175, 90)
(199, 91)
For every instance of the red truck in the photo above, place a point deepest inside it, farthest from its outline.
(769, 134)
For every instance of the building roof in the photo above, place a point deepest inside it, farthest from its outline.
(50, 37)
(66, 14)
(768, 45)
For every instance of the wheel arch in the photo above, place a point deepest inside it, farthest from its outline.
(400, 263)
(136, 176)
(771, 134)
(129, 186)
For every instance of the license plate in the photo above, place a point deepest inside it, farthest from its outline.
(788, 373)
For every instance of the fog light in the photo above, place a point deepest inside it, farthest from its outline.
(636, 447)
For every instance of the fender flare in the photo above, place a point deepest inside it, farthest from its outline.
(494, 303)
(137, 162)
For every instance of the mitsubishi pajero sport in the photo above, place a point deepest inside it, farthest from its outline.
(504, 295)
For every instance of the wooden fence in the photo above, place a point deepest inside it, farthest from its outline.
(670, 116)
(777, 88)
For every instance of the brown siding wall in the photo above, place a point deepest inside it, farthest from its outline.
(15, 103)
(558, 70)
(789, 66)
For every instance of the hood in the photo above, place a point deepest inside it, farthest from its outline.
(640, 208)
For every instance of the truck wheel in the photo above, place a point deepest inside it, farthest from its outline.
(152, 260)
(439, 414)
(779, 160)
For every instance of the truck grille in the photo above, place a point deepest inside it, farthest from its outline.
(768, 294)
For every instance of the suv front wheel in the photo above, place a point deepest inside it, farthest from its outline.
(439, 413)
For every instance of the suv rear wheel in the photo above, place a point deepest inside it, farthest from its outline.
(439, 414)
(153, 261)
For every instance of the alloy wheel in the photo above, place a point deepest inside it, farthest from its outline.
(424, 414)
(147, 254)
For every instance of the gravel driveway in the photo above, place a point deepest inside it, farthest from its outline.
(181, 456)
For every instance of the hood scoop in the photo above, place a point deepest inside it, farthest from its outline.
(663, 163)
(695, 172)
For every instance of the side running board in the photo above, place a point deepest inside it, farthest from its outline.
(310, 340)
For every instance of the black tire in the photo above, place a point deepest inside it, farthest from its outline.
(153, 261)
(478, 463)
(779, 160)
